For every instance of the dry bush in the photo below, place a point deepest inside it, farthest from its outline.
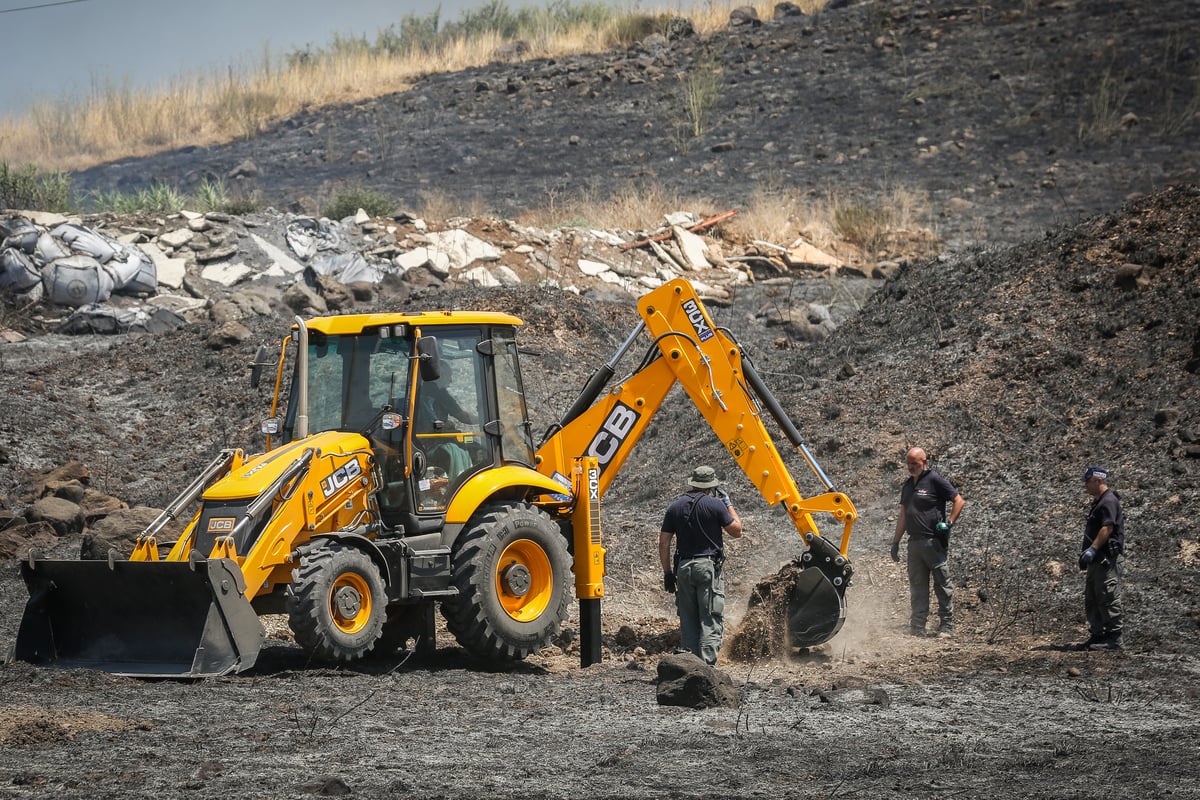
(768, 216)
(781, 219)
(437, 205)
(634, 206)
(882, 227)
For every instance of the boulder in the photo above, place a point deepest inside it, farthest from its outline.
(300, 298)
(685, 680)
(462, 248)
(16, 541)
(97, 505)
(118, 531)
(63, 515)
(228, 335)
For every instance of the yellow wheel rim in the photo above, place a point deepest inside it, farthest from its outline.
(350, 602)
(524, 580)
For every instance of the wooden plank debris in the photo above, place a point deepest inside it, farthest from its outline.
(667, 234)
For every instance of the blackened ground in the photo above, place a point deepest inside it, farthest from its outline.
(1015, 367)
(1005, 119)
(1007, 365)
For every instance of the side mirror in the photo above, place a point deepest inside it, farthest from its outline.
(429, 358)
(256, 366)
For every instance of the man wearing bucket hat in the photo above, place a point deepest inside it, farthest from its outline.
(1102, 559)
(698, 521)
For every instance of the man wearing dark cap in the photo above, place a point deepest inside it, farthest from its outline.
(1103, 561)
(698, 520)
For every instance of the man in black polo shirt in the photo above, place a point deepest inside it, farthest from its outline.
(1103, 561)
(923, 516)
(698, 522)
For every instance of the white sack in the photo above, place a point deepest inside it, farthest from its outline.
(49, 249)
(76, 281)
(133, 272)
(18, 232)
(86, 241)
(17, 270)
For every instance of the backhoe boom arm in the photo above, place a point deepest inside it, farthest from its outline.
(702, 358)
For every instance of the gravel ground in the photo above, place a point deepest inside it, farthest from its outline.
(1015, 366)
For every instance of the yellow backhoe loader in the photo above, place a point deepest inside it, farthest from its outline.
(400, 476)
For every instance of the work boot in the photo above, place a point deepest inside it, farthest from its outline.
(945, 631)
(917, 632)
(1112, 642)
(1095, 638)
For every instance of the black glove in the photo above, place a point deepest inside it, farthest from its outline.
(669, 582)
(723, 496)
(896, 552)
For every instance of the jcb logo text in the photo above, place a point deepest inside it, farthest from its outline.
(344, 474)
(221, 525)
(612, 434)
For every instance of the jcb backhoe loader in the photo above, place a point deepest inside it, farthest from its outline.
(401, 475)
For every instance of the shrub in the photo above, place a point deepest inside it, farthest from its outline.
(350, 201)
(29, 188)
(634, 28)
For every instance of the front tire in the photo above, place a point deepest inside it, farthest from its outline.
(513, 575)
(337, 603)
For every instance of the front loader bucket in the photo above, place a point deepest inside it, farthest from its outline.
(817, 602)
(186, 619)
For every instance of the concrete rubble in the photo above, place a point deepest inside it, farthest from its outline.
(121, 274)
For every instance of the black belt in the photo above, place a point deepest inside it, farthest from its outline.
(709, 557)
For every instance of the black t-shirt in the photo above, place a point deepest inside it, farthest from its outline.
(924, 502)
(1105, 510)
(696, 519)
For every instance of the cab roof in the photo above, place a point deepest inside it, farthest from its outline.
(355, 323)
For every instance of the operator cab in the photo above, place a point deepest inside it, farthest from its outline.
(456, 389)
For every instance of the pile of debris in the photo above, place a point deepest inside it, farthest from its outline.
(119, 274)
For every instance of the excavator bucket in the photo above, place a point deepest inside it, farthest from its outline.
(817, 602)
(178, 619)
(815, 611)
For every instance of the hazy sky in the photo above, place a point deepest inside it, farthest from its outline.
(56, 48)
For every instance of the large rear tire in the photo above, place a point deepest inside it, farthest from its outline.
(338, 603)
(513, 575)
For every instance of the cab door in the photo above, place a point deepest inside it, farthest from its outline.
(449, 415)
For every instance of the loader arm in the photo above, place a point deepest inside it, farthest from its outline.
(690, 350)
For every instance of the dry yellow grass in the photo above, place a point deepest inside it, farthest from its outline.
(630, 207)
(113, 122)
(209, 108)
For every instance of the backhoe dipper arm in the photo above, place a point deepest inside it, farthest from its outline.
(708, 364)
